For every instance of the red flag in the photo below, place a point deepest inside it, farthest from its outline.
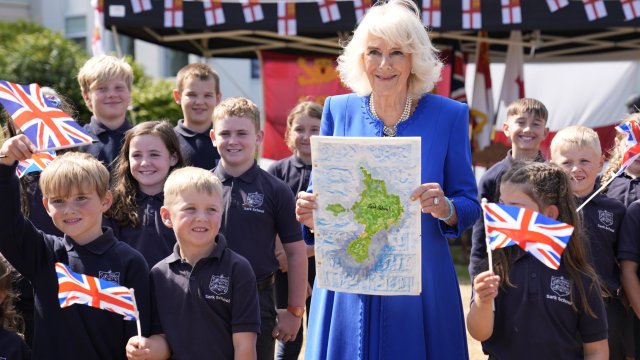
(631, 9)
(595, 9)
(302, 77)
(431, 13)
(173, 13)
(286, 18)
(511, 12)
(213, 13)
(482, 112)
(471, 14)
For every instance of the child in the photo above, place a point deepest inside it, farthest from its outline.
(257, 208)
(197, 92)
(75, 194)
(206, 295)
(540, 313)
(105, 82)
(150, 152)
(576, 149)
(526, 127)
(12, 346)
(625, 187)
(302, 123)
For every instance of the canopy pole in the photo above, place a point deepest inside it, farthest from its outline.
(116, 41)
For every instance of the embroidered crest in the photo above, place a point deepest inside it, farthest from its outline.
(219, 285)
(560, 285)
(605, 217)
(114, 277)
(254, 199)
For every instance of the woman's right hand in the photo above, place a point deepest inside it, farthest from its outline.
(305, 204)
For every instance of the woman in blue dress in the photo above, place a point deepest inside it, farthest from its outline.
(391, 66)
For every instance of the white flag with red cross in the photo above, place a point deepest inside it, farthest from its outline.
(287, 18)
(431, 13)
(511, 12)
(595, 9)
(213, 13)
(252, 10)
(471, 14)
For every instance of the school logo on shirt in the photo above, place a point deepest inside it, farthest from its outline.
(219, 284)
(561, 288)
(114, 277)
(605, 217)
(255, 199)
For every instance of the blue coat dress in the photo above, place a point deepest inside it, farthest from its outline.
(430, 325)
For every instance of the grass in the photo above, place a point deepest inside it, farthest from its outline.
(461, 262)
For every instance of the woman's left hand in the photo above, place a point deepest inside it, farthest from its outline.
(432, 200)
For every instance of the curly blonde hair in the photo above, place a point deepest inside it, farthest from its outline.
(617, 151)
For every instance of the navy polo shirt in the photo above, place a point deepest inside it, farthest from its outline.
(258, 207)
(12, 346)
(629, 247)
(78, 331)
(602, 219)
(488, 188)
(199, 308)
(625, 189)
(293, 172)
(151, 237)
(109, 141)
(197, 148)
(535, 319)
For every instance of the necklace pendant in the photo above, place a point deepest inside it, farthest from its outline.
(390, 131)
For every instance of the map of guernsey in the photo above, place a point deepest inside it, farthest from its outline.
(376, 210)
(367, 230)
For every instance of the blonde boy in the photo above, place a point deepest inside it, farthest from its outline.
(75, 190)
(105, 82)
(577, 150)
(526, 127)
(197, 92)
(205, 293)
(259, 207)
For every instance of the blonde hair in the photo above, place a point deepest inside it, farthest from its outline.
(576, 136)
(616, 153)
(305, 108)
(103, 68)
(398, 22)
(202, 72)
(528, 105)
(72, 171)
(237, 107)
(190, 178)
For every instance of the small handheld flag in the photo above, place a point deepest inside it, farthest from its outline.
(40, 119)
(74, 288)
(542, 237)
(38, 162)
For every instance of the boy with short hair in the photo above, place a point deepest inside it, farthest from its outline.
(526, 127)
(106, 83)
(197, 92)
(75, 195)
(258, 206)
(577, 150)
(204, 292)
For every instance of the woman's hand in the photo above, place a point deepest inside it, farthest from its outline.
(305, 204)
(433, 201)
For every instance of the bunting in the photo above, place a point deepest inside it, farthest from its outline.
(173, 13)
(139, 6)
(595, 9)
(555, 5)
(631, 9)
(471, 14)
(329, 10)
(431, 13)
(213, 13)
(97, 47)
(286, 18)
(252, 11)
(511, 12)
(361, 7)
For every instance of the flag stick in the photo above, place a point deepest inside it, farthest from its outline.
(489, 255)
(604, 186)
(135, 305)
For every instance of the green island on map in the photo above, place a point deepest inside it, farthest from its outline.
(376, 210)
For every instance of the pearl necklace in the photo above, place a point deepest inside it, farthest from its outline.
(392, 131)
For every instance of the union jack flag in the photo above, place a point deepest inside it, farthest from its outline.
(632, 151)
(39, 118)
(38, 162)
(540, 236)
(74, 288)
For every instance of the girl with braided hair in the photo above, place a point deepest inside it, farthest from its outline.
(540, 313)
